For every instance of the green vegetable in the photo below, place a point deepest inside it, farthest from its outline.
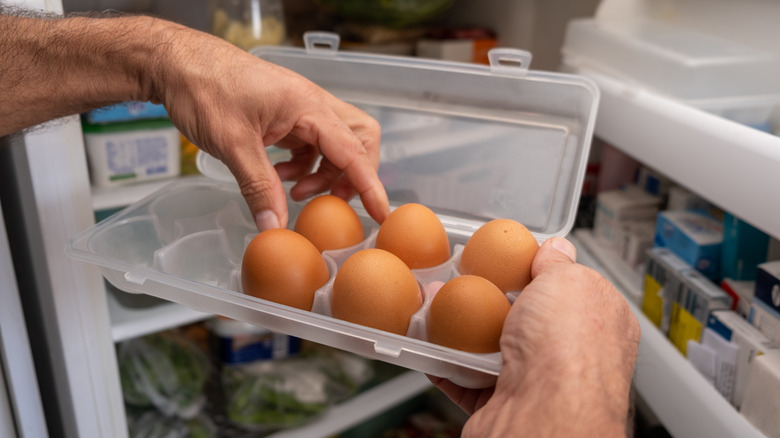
(391, 13)
(165, 371)
(263, 401)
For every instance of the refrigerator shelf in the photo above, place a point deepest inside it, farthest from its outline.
(665, 379)
(362, 406)
(108, 198)
(128, 322)
(728, 163)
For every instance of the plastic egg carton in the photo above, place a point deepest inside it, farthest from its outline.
(186, 244)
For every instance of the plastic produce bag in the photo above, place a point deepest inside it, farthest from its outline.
(153, 424)
(166, 371)
(267, 395)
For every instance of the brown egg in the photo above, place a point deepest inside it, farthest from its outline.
(468, 314)
(376, 289)
(501, 251)
(329, 222)
(280, 265)
(415, 234)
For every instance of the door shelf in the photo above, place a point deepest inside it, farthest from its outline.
(109, 198)
(732, 165)
(684, 401)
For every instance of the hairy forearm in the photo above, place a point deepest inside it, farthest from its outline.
(52, 67)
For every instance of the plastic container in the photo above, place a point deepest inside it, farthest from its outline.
(471, 142)
(126, 111)
(714, 74)
(238, 342)
(248, 23)
(124, 153)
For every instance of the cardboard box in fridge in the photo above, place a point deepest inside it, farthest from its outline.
(499, 140)
(751, 342)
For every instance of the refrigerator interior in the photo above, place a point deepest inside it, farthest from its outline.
(76, 324)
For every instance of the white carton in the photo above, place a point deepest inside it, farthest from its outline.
(761, 403)
(130, 152)
(621, 208)
(751, 342)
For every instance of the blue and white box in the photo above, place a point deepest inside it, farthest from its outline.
(694, 237)
(768, 284)
(765, 312)
(126, 111)
(129, 152)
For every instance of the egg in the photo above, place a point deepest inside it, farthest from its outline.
(415, 234)
(501, 251)
(468, 314)
(376, 289)
(282, 266)
(329, 222)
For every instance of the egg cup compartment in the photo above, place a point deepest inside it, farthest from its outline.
(133, 240)
(339, 256)
(204, 257)
(183, 211)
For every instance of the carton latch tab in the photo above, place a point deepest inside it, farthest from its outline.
(507, 61)
(321, 42)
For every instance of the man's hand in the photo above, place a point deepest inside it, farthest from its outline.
(232, 105)
(569, 347)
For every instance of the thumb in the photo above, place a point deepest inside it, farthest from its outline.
(261, 187)
(553, 251)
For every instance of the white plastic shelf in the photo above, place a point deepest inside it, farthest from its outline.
(362, 407)
(684, 401)
(128, 323)
(105, 198)
(730, 164)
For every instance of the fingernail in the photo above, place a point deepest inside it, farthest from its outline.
(266, 220)
(565, 247)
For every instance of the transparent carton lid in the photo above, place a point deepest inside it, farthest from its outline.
(472, 142)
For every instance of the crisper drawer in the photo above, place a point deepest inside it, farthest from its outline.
(471, 142)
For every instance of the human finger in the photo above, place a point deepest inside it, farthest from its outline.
(345, 151)
(300, 164)
(319, 181)
(469, 400)
(553, 251)
(259, 184)
(343, 189)
(365, 128)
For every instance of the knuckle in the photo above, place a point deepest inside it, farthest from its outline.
(371, 127)
(257, 190)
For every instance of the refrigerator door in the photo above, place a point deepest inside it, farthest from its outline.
(7, 429)
(46, 197)
(21, 411)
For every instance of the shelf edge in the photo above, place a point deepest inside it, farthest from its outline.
(723, 161)
(362, 406)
